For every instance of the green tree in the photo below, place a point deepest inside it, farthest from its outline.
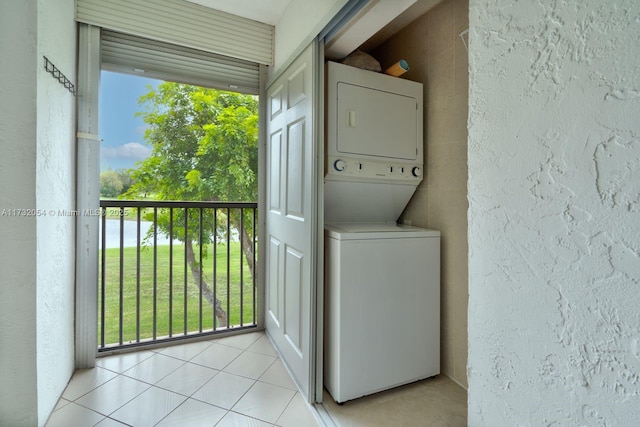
(110, 184)
(204, 147)
(125, 178)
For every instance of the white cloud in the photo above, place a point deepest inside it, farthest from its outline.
(130, 150)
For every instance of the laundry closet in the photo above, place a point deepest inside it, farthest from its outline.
(395, 209)
(382, 279)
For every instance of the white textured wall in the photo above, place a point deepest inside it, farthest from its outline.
(37, 171)
(55, 191)
(17, 233)
(554, 213)
(301, 22)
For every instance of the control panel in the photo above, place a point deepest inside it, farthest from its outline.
(348, 168)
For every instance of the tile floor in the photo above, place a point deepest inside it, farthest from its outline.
(234, 381)
(434, 402)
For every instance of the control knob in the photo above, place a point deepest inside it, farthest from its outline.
(339, 165)
(416, 171)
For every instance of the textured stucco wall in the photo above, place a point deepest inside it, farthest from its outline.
(17, 232)
(554, 213)
(37, 169)
(55, 191)
(438, 58)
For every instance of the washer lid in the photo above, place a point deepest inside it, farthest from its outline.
(363, 230)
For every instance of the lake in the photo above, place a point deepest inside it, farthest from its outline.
(130, 238)
(130, 234)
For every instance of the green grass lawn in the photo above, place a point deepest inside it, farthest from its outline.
(170, 290)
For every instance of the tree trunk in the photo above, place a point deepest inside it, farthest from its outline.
(247, 244)
(247, 248)
(196, 273)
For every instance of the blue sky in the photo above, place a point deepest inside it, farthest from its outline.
(122, 133)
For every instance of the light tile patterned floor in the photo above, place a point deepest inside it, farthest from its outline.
(228, 382)
(434, 402)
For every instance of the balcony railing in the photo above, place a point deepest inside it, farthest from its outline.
(173, 270)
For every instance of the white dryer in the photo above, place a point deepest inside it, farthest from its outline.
(382, 280)
(374, 150)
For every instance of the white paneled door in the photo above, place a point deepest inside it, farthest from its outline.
(291, 215)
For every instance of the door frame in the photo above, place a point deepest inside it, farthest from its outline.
(87, 197)
(317, 320)
(261, 306)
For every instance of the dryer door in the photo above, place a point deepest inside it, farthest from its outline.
(374, 122)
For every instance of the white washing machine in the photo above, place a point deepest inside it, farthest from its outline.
(382, 307)
(382, 280)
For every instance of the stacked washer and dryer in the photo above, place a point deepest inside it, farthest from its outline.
(382, 279)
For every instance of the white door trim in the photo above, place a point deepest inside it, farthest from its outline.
(317, 326)
(87, 197)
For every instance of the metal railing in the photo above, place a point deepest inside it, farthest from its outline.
(172, 270)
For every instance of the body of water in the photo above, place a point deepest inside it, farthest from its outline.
(130, 234)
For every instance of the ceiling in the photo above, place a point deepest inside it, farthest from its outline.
(267, 11)
(366, 34)
(374, 24)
